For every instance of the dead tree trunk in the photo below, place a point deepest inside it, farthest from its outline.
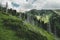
(6, 7)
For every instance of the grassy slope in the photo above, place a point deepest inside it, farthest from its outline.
(22, 31)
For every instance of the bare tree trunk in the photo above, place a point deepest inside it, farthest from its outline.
(33, 21)
(49, 27)
(1, 5)
(20, 16)
(55, 33)
(6, 7)
(28, 18)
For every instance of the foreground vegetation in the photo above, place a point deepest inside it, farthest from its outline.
(31, 25)
(13, 28)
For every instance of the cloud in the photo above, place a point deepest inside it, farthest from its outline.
(26, 5)
(52, 4)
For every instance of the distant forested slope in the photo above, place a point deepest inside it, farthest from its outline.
(31, 25)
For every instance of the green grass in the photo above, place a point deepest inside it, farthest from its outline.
(40, 31)
(13, 28)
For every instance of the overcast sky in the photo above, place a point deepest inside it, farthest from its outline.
(24, 5)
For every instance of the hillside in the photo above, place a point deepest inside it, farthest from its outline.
(13, 28)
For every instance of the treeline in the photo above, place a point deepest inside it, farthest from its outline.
(48, 20)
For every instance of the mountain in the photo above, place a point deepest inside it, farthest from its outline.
(14, 28)
(30, 25)
(46, 19)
